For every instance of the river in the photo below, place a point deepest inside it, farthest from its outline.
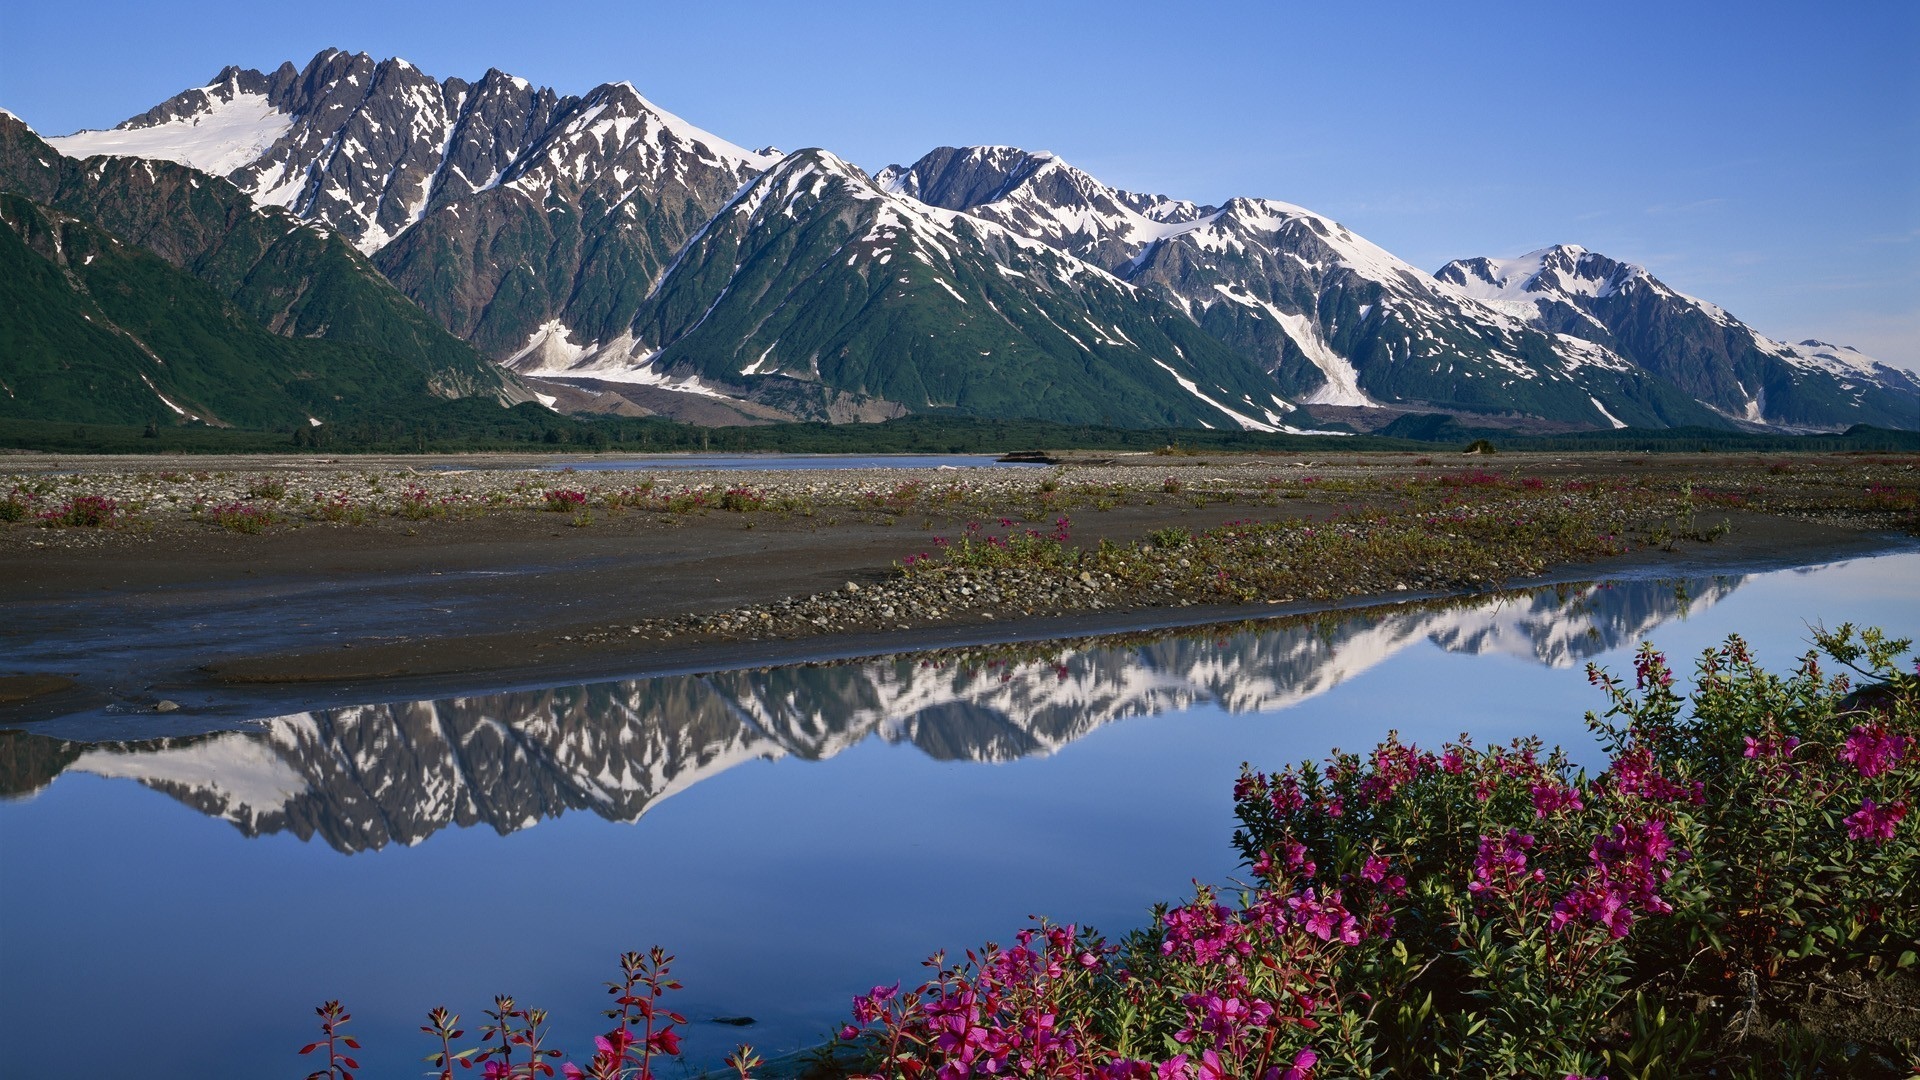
(175, 907)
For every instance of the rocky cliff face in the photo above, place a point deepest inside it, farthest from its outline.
(368, 777)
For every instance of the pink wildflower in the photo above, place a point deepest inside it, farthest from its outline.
(1501, 864)
(1874, 822)
(1771, 747)
(1551, 798)
(1873, 750)
(1325, 919)
(1376, 870)
(1302, 1068)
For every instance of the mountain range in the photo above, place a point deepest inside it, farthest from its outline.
(367, 777)
(611, 257)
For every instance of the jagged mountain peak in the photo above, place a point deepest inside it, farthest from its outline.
(1348, 248)
(970, 177)
(1699, 346)
(215, 128)
(616, 140)
(1846, 360)
(804, 174)
(366, 146)
(1562, 273)
(962, 177)
(1559, 269)
(1039, 195)
(623, 100)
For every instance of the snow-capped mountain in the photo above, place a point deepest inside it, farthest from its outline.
(1333, 318)
(496, 205)
(1696, 345)
(367, 777)
(814, 274)
(1037, 195)
(585, 238)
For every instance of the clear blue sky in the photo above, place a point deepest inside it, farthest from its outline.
(1765, 156)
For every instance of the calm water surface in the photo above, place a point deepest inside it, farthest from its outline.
(795, 835)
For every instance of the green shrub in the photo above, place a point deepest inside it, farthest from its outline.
(1496, 912)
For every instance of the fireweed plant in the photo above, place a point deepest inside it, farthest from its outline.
(1459, 912)
(1493, 912)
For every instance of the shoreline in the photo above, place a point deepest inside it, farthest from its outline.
(227, 629)
(242, 704)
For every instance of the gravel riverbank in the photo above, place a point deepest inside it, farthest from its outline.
(375, 574)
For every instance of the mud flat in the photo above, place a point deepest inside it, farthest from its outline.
(217, 595)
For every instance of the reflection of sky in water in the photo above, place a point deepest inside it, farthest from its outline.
(784, 885)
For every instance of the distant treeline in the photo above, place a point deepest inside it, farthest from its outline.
(476, 426)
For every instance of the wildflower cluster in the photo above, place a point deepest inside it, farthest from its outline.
(1002, 1011)
(238, 517)
(337, 508)
(83, 512)
(18, 504)
(1495, 912)
(513, 1038)
(1009, 545)
(416, 503)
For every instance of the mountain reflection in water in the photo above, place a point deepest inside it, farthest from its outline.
(367, 777)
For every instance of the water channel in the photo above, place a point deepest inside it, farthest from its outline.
(175, 907)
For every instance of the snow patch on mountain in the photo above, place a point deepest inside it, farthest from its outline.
(1343, 381)
(1611, 419)
(551, 353)
(1843, 361)
(1191, 387)
(228, 133)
